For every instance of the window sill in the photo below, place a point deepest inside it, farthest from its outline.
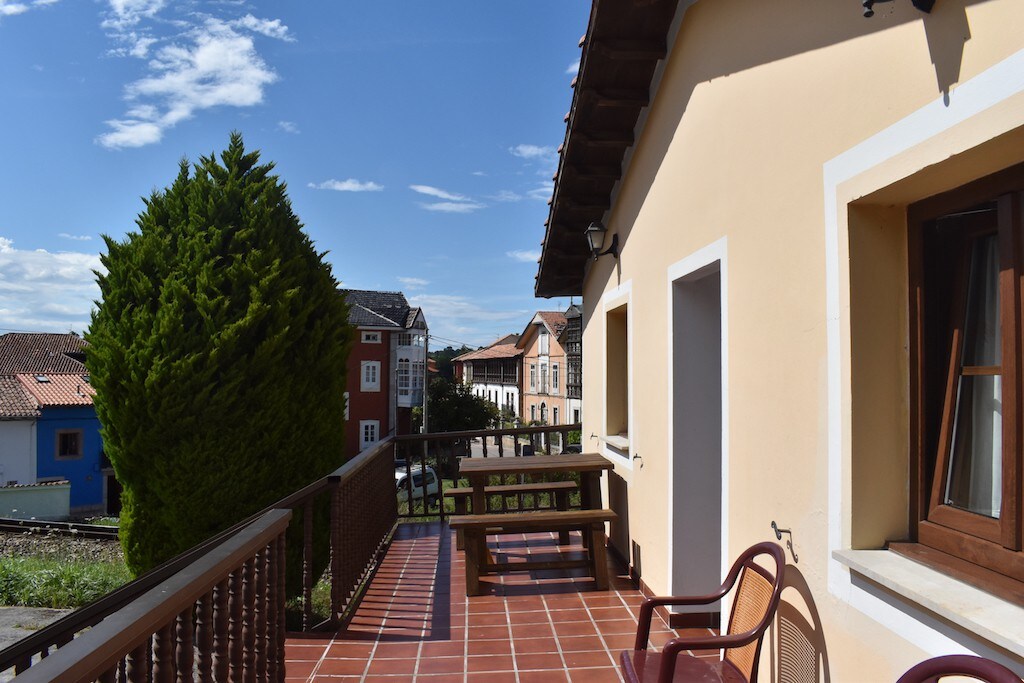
(988, 617)
(617, 442)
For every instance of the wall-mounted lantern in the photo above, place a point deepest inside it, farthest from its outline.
(596, 234)
(923, 5)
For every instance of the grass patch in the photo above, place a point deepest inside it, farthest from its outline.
(33, 582)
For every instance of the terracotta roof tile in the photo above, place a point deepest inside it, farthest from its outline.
(15, 401)
(58, 390)
(491, 352)
(555, 320)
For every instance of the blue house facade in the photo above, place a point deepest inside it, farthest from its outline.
(68, 446)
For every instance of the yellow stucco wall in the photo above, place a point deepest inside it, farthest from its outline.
(755, 100)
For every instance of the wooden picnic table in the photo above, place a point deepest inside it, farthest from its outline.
(589, 465)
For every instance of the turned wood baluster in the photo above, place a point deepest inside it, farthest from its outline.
(163, 654)
(204, 637)
(235, 625)
(184, 656)
(273, 665)
(307, 564)
(137, 668)
(547, 442)
(221, 625)
(336, 553)
(260, 615)
(248, 618)
(280, 605)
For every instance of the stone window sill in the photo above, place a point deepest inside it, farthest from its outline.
(988, 617)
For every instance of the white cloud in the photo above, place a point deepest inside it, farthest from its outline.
(439, 193)
(542, 192)
(271, 28)
(350, 185)
(46, 291)
(466, 319)
(479, 173)
(505, 196)
(77, 238)
(531, 151)
(10, 8)
(573, 68)
(454, 207)
(523, 255)
(414, 282)
(214, 64)
(288, 127)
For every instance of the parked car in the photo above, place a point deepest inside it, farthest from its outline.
(423, 483)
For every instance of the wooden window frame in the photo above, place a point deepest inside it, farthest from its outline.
(57, 439)
(990, 545)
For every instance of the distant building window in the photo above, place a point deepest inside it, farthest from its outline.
(405, 339)
(575, 415)
(533, 413)
(369, 376)
(69, 443)
(543, 388)
(533, 377)
(418, 368)
(369, 433)
(544, 413)
(554, 415)
(404, 384)
(545, 344)
(554, 379)
(371, 337)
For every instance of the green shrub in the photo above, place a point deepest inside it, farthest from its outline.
(218, 354)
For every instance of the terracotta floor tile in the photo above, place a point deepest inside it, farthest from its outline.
(595, 676)
(581, 644)
(617, 626)
(532, 662)
(538, 617)
(450, 648)
(396, 650)
(489, 647)
(487, 619)
(621, 641)
(441, 665)
(349, 667)
(489, 663)
(298, 669)
(392, 666)
(441, 678)
(491, 677)
(580, 660)
(531, 630)
(299, 652)
(535, 645)
(542, 676)
(575, 628)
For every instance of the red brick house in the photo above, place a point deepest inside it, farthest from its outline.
(386, 367)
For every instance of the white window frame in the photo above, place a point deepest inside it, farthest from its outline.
(370, 337)
(533, 377)
(369, 375)
(554, 378)
(404, 376)
(544, 343)
(374, 427)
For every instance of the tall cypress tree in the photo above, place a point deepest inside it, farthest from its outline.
(218, 355)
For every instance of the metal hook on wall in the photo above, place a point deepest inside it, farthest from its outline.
(789, 541)
(637, 457)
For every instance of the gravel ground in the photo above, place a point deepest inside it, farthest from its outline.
(58, 547)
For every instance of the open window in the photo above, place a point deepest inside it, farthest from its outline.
(966, 329)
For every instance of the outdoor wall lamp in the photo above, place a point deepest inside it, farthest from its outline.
(596, 234)
(923, 5)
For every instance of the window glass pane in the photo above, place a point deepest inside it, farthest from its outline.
(974, 481)
(981, 328)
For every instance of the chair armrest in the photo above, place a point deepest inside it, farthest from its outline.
(643, 629)
(676, 645)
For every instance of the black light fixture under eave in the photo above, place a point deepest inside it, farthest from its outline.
(923, 5)
(596, 234)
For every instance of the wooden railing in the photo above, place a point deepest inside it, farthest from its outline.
(363, 514)
(440, 451)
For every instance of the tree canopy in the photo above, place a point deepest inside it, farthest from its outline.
(218, 354)
(454, 407)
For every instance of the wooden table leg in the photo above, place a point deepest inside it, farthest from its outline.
(598, 557)
(562, 504)
(474, 556)
(460, 535)
(478, 482)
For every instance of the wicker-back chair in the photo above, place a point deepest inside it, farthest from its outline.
(931, 670)
(755, 601)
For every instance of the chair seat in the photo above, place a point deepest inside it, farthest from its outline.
(642, 666)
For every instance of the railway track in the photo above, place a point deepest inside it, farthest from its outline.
(36, 526)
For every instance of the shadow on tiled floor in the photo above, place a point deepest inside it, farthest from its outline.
(415, 622)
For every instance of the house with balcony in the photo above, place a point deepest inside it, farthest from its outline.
(797, 231)
(571, 340)
(386, 367)
(544, 366)
(494, 373)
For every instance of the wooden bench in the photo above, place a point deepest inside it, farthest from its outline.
(559, 489)
(479, 561)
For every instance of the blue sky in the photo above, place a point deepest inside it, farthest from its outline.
(417, 139)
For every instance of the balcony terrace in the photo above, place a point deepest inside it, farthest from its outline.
(398, 609)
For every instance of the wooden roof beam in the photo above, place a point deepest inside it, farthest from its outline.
(617, 48)
(605, 139)
(584, 172)
(618, 97)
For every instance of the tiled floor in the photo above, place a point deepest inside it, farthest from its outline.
(416, 624)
